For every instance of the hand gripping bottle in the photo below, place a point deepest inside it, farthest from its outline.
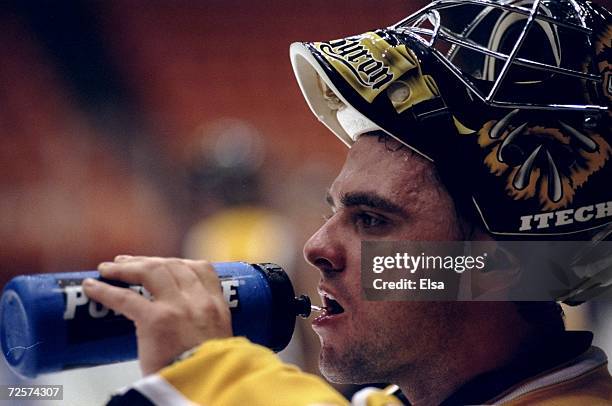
(48, 324)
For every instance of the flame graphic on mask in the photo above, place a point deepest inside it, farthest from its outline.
(538, 170)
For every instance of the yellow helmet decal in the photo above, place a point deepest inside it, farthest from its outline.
(367, 62)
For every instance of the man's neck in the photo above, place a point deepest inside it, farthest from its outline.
(480, 376)
(488, 336)
(432, 384)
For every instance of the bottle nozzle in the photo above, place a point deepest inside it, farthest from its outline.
(317, 309)
(303, 306)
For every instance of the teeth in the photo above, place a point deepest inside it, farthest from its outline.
(330, 303)
(326, 295)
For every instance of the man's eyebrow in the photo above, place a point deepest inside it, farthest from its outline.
(369, 199)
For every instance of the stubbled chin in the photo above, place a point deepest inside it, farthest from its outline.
(334, 359)
(330, 367)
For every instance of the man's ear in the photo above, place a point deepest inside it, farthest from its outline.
(501, 273)
(472, 231)
(502, 269)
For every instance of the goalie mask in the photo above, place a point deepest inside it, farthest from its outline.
(509, 98)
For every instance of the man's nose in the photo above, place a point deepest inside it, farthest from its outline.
(326, 249)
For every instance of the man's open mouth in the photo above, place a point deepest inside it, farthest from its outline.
(331, 305)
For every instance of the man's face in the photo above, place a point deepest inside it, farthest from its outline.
(380, 194)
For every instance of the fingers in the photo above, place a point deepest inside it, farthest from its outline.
(206, 274)
(161, 276)
(126, 258)
(122, 300)
(179, 269)
(154, 277)
(189, 305)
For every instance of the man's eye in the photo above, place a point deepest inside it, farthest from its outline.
(367, 220)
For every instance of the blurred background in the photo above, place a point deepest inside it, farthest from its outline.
(172, 129)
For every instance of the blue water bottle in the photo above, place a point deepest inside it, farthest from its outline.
(48, 324)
